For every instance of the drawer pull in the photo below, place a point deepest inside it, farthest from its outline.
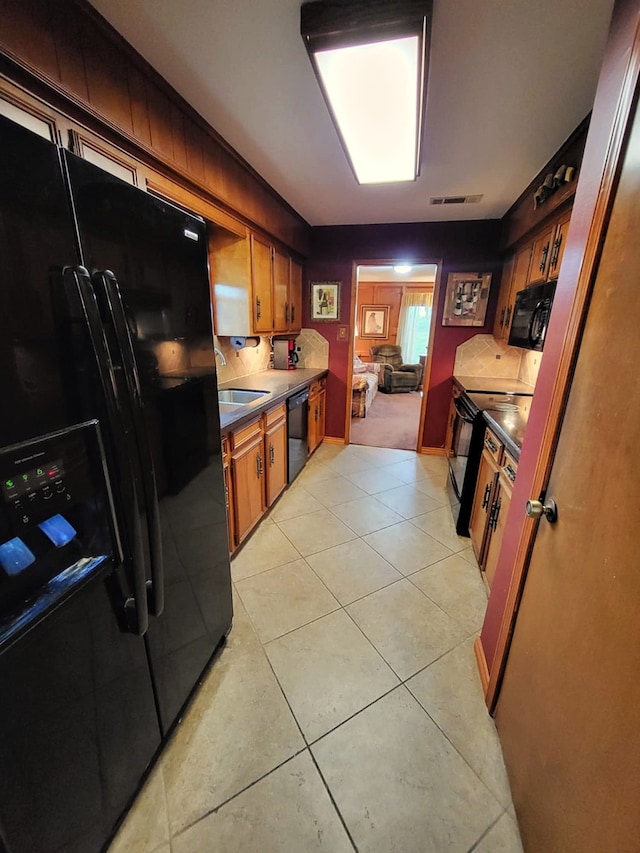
(510, 472)
(491, 445)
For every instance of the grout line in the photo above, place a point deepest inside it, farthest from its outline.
(333, 802)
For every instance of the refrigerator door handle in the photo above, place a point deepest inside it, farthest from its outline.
(108, 291)
(80, 306)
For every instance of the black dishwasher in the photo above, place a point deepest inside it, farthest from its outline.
(297, 411)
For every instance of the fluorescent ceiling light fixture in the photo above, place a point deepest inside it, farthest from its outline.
(370, 61)
(401, 269)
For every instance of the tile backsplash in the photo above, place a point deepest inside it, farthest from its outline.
(314, 353)
(482, 355)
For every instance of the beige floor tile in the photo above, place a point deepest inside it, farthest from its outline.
(400, 785)
(316, 531)
(455, 586)
(408, 501)
(328, 671)
(289, 810)
(352, 570)
(295, 502)
(373, 480)
(284, 599)
(408, 471)
(406, 627)
(439, 523)
(336, 490)
(314, 472)
(407, 548)
(241, 638)
(238, 728)
(503, 837)
(267, 548)
(469, 556)
(450, 692)
(146, 827)
(365, 515)
(350, 461)
(386, 455)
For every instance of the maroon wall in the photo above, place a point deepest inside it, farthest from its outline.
(624, 22)
(461, 246)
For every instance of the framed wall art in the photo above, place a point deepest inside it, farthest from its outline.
(374, 321)
(466, 299)
(325, 301)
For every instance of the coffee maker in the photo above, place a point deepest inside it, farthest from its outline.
(285, 356)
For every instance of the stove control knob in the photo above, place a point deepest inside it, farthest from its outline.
(536, 509)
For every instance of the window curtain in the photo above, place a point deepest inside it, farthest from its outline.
(413, 325)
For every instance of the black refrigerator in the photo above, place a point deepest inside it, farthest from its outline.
(115, 586)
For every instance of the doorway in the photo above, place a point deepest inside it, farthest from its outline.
(393, 308)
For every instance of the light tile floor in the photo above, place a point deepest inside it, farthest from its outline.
(345, 711)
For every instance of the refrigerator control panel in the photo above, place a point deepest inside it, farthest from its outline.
(56, 520)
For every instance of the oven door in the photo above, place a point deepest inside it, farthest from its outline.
(461, 443)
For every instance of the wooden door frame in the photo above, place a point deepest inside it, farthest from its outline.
(569, 353)
(426, 373)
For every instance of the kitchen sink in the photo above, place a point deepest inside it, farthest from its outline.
(240, 396)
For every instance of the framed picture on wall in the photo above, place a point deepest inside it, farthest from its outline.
(325, 301)
(374, 321)
(466, 299)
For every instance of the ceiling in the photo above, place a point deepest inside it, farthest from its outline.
(509, 80)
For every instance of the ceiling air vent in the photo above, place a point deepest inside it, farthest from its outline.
(457, 199)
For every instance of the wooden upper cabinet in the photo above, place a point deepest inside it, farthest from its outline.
(548, 248)
(295, 296)
(558, 244)
(515, 278)
(281, 305)
(541, 256)
(261, 253)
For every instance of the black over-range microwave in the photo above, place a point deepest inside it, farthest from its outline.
(531, 316)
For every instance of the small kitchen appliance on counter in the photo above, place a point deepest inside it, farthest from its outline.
(285, 356)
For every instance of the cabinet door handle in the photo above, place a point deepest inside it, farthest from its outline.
(543, 257)
(293, 314)
(495, 514)
(507, 318)
(272, 455)
(485, 497)
(315, 412)
(258, 308)
(556, 251)
(502, 313)
(286, 313)
(259, 465)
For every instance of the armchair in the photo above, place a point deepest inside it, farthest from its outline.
(394, 374)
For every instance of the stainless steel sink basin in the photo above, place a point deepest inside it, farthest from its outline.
(240, 396)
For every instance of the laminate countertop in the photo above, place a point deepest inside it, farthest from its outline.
(493, 385)
(492, 396)
(277, 385)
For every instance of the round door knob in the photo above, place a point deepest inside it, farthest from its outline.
(536, 509)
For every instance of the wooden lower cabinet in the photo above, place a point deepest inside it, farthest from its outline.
(228, 490)
(255, 471)
(247, 478)
(497, 522)
(275, 447)
(494, 488)
(482, 503)
(317, 413)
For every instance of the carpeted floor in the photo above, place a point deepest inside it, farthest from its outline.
(392, 421)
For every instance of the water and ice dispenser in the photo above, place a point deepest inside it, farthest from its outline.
(57, 528)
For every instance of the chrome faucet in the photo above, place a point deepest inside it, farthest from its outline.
(223, 360)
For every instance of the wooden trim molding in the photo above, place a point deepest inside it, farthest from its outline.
(481, 662)
(332, 439)
(432, 451)
(570, 348)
